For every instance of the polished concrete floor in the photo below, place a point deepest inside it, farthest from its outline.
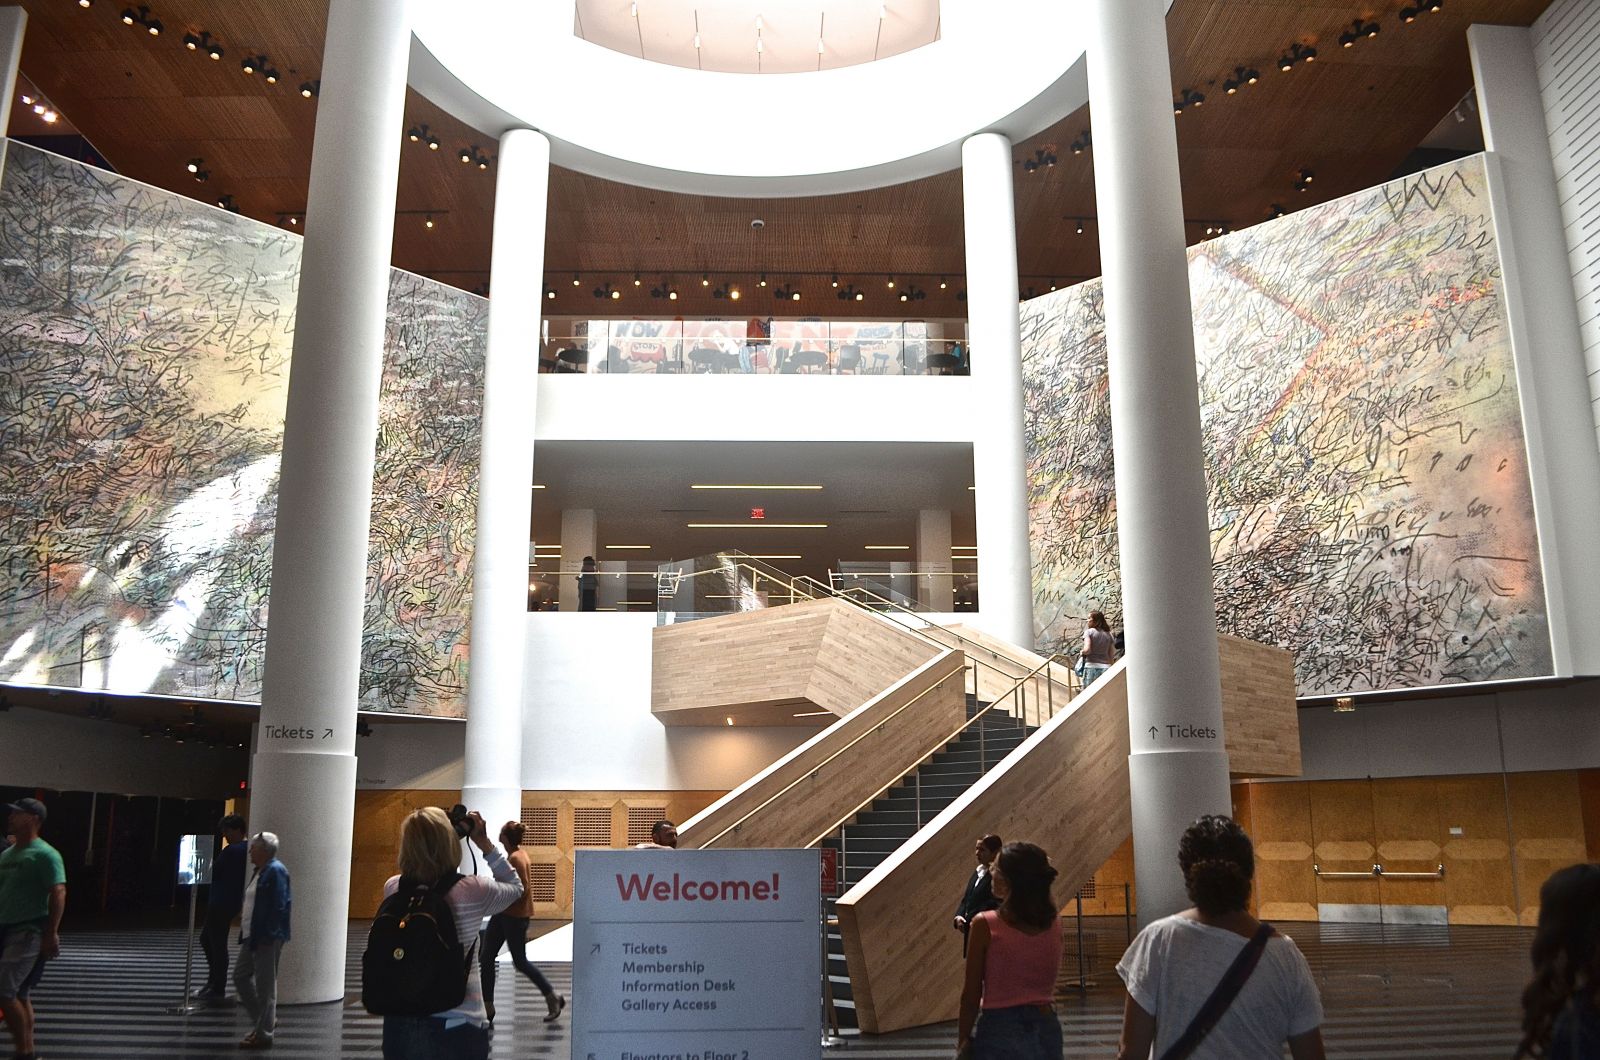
(1388, 992)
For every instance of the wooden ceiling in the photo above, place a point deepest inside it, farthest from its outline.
(148, 105)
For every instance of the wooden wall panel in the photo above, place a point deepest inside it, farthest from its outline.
(762, 667)
(1589, 797)
(1477, 862)
(1343, 840)
(1280, 825)
(374, 853)
(1547, 823)
(1109, 898)
(839, 768)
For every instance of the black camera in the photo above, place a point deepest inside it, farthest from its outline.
(458, 821)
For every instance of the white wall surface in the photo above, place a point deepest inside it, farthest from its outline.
(48, 750)
(1545, 728)
(783, 408)
(588, 724)
(1566, 43)
(410, 754)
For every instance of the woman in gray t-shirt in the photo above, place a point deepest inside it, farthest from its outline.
(1174, 965)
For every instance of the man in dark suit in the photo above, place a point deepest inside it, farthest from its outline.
(979, 896)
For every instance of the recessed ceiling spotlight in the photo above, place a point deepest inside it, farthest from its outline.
(705, 279)
(248, 64)
(636, 281)
(311, 89)
(27, 100)
(549, 292)
(85, 3)
(49, 116)
(835, 279)
(763, 281)
(943, 285)
(194, 164)
(271, 75)
(427, 221)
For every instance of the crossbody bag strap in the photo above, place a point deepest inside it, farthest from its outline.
(1227, 989)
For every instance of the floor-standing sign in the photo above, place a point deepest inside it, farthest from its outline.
(194, 869)
(697, 954)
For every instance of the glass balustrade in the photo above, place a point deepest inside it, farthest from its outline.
(755, 347)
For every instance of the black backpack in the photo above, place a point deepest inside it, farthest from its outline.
(414, 965)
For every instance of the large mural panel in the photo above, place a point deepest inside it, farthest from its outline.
(144, 356)
(1368, 477)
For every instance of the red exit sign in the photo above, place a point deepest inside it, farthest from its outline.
(758, 513)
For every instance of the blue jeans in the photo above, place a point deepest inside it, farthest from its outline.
(1025, 1032)
(425, 1038)
(1092, 672)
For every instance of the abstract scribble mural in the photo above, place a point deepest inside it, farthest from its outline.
(1370, 504)
(144, 355)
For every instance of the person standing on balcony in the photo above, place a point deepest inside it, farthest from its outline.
(1099, 649)
(588, 586)
(979, 896)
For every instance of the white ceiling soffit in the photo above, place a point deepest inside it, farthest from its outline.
(1014, 67)
(723, 35)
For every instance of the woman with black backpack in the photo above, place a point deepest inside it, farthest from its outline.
(419, 970)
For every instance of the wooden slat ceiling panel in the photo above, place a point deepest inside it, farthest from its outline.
(149, 105)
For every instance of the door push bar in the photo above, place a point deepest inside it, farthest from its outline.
(1378, 870)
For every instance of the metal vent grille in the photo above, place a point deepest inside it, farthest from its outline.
(640, 819)
(544, 883)
(1088, 889)
(591, 826)
(540, 822)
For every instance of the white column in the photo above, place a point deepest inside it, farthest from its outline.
(492, 768)
(999, 461)
(934, 589)
(579, 538)
(304, 770)
(1546, 340)
(1178, 769)
(13, 27)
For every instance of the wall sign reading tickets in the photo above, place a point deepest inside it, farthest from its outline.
(696, 954)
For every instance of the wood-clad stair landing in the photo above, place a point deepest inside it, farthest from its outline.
(1060, 781)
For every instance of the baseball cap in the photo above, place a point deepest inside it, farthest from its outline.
(33, 806)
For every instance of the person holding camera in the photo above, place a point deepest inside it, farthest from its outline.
(404, 968)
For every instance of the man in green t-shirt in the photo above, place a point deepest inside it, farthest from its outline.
(33, 895)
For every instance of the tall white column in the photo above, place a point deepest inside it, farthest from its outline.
(304, 768)
(1546, 340)
(934, 589)
(1178, 769)
(492, 768)
(13, 28)
(999, 460)
(579, 538)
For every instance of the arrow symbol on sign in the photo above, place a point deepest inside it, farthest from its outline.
(595, 948)
(1152, 732)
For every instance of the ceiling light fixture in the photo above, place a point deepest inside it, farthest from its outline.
(1297, 53)
(1188, 98)
(664, 290)
(784, 555)
(85, 3)
(757, 526)
(549, 292)
(786, 293)
(575, 280)
(635, 547)
(763, 281)
(226, 202)
(835, 280)
(943, 285)
(891, 283)
(1242, 76)
(427, 222)
(311, 89)
(1303, 180)
(1082, 143)
(887, 548)
(1358, 29)
(1043, 158)
(747, 486)
(49, 116)
(605, 290)
(913, 293)
(1275, 211)
(705, 279)
(1080, 226)
(194, 164)
(636, 281)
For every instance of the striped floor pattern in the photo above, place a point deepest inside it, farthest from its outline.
(1388, 992)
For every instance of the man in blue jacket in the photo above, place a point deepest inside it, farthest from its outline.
(263, 929)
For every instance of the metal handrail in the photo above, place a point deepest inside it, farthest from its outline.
(1015, 689)
(812, 772)
(1378, 871)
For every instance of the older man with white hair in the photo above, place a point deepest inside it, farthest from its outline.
(263, 929)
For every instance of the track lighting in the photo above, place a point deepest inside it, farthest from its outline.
(942, 284)
(636, 281)
(1080, 226)
(1275, 211)
(1409, 14)
(49, 117)
(1216, 228)
(1303, 180)
(849, 294)
(311, 89)
(251, 63)
(1082, 143)
(416, 133)
(605, 290)
(1358, 29)
(1297, 53)
(728, 291)
(290, 219)
(763, 281)
(194, 164)
(1043, 158)
(575, 280)
(550, 292)
(471, 156)
(203, 42)
(664, 290)
(226, 203)
(1242, 76)
(427, 221)
(705, 279)
(141, 17)
(890, 284)
(835, 279)
(786, 294)
(85, 3)
(1189, 98)
(271, 75)
(913, 293)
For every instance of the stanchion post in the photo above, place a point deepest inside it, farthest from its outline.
(1127, 909)
(1083, 980)
(185, 1006)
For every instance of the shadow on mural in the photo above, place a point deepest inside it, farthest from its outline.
(144, 355)
(1368, 478)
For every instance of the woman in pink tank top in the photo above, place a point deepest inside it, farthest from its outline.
(1013, 954)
